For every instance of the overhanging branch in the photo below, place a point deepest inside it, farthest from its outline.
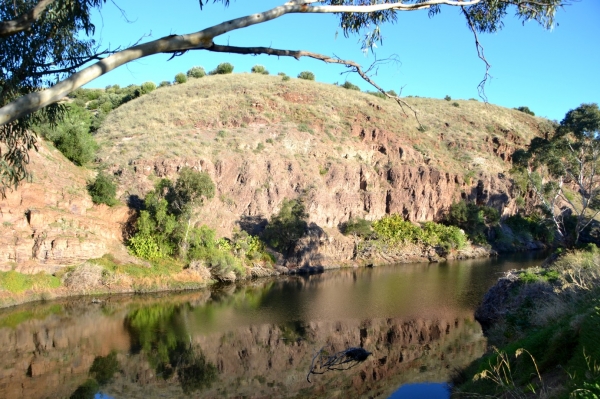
(25, 20)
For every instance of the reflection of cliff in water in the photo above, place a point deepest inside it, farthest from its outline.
(48, 350)
(253, 340)
(273, 360)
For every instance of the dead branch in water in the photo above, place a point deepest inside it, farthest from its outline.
(343, 360)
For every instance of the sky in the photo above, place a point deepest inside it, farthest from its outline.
(551, 72)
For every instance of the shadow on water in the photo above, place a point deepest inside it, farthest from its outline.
(256, 339)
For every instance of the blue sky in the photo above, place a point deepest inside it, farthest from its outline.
(551, 72)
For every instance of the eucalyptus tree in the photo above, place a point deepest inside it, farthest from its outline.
(46, 51)
(562, 171)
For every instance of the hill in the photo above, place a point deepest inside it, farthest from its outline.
(263, 139)
(346, 153)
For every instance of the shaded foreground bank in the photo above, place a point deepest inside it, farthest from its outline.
(545, 322)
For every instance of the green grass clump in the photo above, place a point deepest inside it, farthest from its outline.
(159, 268)
(16, 282)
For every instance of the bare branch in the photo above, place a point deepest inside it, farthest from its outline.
(479, 47)
(24, 21)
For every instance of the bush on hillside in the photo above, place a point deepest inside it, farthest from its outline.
(306, 75)
(196, 72)
(525, 110)
(103, 190)
(222, 69)
(350, 86)
(148, 87)
(448, 98)
(259, 69)
(164, 83)
(180, 78)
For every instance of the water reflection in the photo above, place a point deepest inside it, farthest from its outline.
(254, 340)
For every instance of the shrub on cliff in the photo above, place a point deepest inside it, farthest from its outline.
(475, 220)
(357, 227)
(103, 190)
(287, 226)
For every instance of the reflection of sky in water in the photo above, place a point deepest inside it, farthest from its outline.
(422, 391)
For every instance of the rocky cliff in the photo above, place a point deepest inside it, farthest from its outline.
(261, 139)
(51, 221)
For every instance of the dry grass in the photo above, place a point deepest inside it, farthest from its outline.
(223, 114)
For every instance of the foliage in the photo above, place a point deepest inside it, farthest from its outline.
(569, 155)
(349, 86)
(71, 135)
(533, 225)
(223, 68)
(196, 72)
(475, 220)
(87, 390)
(287, 226)
(259, 69)
(306, 75)
(180, 78)
(34, 58)
(148, 87)
(104, 367)
(164, 83)
(455, 104)
(190, 190)
(526, 110)
(394, 230)
(448, 98)
(103, 190)
(357, 227)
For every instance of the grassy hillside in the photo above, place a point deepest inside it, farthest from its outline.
(251, 112)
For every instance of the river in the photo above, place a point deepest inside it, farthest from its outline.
(258, 339)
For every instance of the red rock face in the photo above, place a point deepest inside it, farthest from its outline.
(51, 221)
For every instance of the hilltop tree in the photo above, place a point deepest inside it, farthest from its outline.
(562, 170)
(44, 42)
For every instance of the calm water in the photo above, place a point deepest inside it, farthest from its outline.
(257, 340)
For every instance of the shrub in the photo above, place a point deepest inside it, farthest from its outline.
(306, 75)
(76, 144)
(222, 69)
(393, 229)
(357, 227)
(455, 104)
(289, 225)
(103, 190)
(448, 98)
(349, 86)
(525, 110)
(147, 87)
(285, 78)
(259, 69)
(164, 83)
(475, 220)
(196, 72)
(180, 78)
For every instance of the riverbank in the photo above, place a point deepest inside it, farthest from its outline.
(543, 324)
(108, 275)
